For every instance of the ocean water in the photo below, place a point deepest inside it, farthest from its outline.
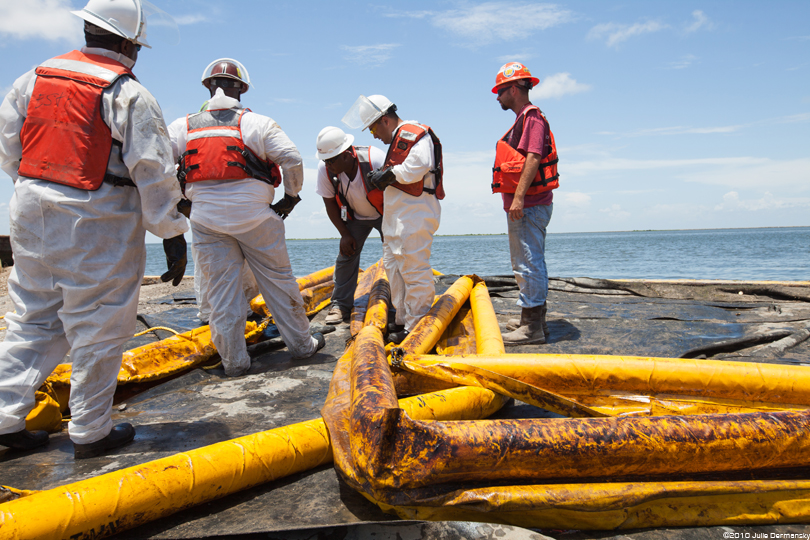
(744, 254)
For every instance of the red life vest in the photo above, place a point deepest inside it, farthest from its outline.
(362, 154)
(215, 150)
(64, 137)
(405, 137)
(509, 163)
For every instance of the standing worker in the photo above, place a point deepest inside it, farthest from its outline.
(353, 207)
(525, 172)
(229, 160)
(411, 179)
(87, 148)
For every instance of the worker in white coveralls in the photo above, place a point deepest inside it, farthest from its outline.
(201, 280)
(411, 179)
(86, 146)
(229, 159)
(353, 207)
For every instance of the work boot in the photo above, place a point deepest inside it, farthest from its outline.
(394, 327)
(397, 337)
(24, 439)
(336, 315)
(530, 329)
(514, 324)
(321, 341)
(119, 436)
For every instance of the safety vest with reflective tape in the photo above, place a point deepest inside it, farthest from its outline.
(64, 136)
(362, 154)
(509, 163)
(215, 150)
(405, 137)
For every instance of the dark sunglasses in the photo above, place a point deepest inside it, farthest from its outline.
(137, 47)
(332, 159)
(504, 89)
(225, 83)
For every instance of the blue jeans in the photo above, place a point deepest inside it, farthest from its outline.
(348, 266)
(527, 247)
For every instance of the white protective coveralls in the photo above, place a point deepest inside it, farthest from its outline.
(408, 226)
(232, 222)
(79, 257)
(251, 289)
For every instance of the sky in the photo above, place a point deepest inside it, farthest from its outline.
(667, 114)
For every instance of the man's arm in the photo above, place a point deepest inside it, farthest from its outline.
(347, 243)
(12, 115)
(530, 168)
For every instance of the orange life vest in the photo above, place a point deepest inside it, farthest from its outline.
(509, 164)
(215, 150)
(64, 137)
(405, 137)
(362, 154)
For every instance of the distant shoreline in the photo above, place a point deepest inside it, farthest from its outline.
(580, 232)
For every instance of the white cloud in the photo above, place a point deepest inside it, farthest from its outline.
(614, 211)
(501, 21)
(190, 19)
(409, 14)
(615, 33)
(520, 57)
(677, 130)
(557, 86)
(735, 172)
(700, 21)
(732, 202)
(369, 55)
(573, 199)
(39, 19)
(684, 62)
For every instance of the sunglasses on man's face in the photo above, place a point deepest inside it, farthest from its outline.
(504, 89)
(226, 83)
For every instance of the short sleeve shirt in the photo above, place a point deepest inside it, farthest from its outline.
(353, 189)
(529, 135)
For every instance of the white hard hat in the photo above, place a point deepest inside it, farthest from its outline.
(331, 142)
(228, 68)
(126, 18)
(367, 110)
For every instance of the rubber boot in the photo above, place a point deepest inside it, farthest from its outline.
(514, 324)
(119, 436)
(24, 439)
(531, 331)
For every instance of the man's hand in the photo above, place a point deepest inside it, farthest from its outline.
(381, 178)
(348, 245)
(516, 210)
(175, 249)
(285, 205)
(184, 207)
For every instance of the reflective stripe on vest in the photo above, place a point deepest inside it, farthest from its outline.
(404, 139)
(509, 163)
(215, 150)
(64, 137)
(362, 155)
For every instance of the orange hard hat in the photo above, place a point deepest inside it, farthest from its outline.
(513, 71)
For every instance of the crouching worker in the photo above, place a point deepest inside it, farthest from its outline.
(353, 207)
(411, 179)
(229, 158)
(91, 174)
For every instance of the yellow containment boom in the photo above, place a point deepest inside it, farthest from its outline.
(120, 500)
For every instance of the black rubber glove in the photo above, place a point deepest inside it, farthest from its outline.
(184, 207)
(285, 205)
(175, 249)
(381, 178)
